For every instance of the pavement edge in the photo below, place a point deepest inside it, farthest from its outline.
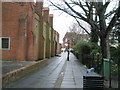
(21, 72)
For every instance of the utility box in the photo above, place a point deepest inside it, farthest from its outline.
(106, 68)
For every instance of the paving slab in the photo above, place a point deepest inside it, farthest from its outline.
(73, 75)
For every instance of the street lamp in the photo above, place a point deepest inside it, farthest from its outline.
(68, 51)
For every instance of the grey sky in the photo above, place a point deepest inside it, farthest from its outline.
(62, 21)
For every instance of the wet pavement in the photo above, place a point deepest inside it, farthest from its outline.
(74, 72)
(59, 73)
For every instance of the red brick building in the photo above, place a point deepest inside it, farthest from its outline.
(18, 35)
(72, 38)
(27, 32)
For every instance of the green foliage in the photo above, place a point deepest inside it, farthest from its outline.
(84, 49)
(81, 49)
(95, 49)
(82, 46)
(115, 51)
(114, 70)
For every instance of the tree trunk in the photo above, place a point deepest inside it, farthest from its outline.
(103, 45)
(94, 37)
(118, 38)
(108, 48)
(105, 50)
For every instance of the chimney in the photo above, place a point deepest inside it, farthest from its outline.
(51, 20)
(45, 14)
(39, 7)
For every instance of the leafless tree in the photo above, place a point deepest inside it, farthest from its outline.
(74, 27)
(95, 14)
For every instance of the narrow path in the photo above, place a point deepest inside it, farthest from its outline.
(74, 72)
(45, 78)
(59, 73)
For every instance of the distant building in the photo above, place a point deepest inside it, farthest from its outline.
(72, 38)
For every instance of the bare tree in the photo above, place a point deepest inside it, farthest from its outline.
(74, 27)
(95, 14)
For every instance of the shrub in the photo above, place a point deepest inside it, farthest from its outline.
(81, 49)
(95, 49)
(114, 70)
(84, 51)
(115, 51)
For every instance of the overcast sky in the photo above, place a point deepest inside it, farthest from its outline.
(62, 21)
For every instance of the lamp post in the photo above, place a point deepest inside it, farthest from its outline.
(68, 51)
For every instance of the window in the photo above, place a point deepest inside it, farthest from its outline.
(4, 43)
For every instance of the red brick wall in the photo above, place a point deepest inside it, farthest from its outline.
(39, 8)
(45, 14)
(38, 11)
(11, 14)
(18, 24)
(31, 36)
(51, 20)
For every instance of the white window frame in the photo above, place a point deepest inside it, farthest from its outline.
(1, 44)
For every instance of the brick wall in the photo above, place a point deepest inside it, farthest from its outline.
(47, 28)
(18, 24)
(13, 22)
(30, 34)
(26, 41)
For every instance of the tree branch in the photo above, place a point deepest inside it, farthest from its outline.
(82, 26)
(81, 6)
(113, 21)
(82, 17)
(106, 5)
(110, 13)
(64, 10)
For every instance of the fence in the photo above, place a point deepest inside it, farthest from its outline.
(95, 61)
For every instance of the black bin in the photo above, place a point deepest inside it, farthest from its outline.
(93, 83)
